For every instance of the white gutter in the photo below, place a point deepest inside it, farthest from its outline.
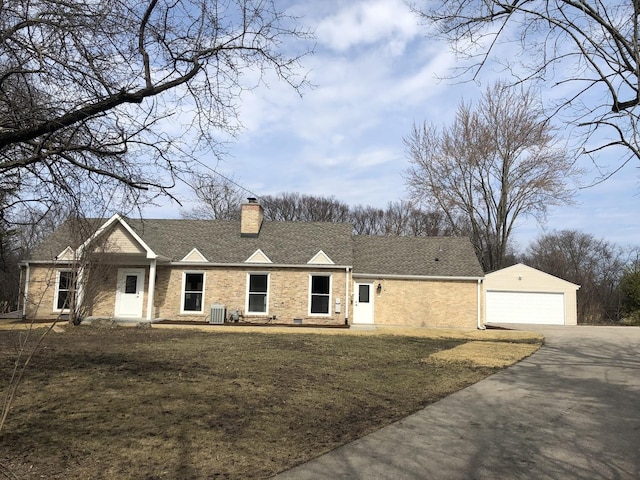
(414, 277)
(480, 325)
(306, 266)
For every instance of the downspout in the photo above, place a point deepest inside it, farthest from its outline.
(346, 297)
(480, 325)
(152, 289)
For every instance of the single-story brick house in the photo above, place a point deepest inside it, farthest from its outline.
(253, 271)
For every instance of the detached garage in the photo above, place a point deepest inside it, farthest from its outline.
(521, 294)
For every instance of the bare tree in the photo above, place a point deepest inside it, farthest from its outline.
(428, 223)
(9, 271)
(308, 208)
(366, 220)
(218, 198)
(588, 49)
(403, 218)
(87, 88)
(630, 289)
(594, 264)
(492, 166)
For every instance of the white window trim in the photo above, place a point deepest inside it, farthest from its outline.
(183, 291)
(311, 275)
(246, 305)
(57, 292)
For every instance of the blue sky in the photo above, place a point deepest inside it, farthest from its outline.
(375, 72)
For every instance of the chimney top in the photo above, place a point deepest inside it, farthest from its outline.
(251, 218)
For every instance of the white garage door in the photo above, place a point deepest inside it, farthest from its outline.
(525, 307)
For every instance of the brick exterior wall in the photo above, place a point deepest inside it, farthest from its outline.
(426, 303)
(288, 294)
(99, 293)
(41, 290)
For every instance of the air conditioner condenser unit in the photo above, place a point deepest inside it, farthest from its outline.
(218, 314)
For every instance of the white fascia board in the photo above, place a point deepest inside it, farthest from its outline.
(415, 277)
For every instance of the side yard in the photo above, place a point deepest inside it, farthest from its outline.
(121, 403)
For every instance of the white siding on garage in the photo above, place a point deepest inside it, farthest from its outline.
(521, 294)
(525, 307)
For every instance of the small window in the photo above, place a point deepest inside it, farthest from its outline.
(131, 284)
(363, 293)
(193, 292)
(320, 294)
(257, 295)
(64, 290)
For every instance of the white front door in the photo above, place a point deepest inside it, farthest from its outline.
(130, 292)
(363, 303)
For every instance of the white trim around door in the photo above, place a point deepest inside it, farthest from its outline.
(130, 293)
(363, 303)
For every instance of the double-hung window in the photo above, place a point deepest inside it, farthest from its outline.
(320, 294)
(192, 292)
(64, 290)
(258, 293)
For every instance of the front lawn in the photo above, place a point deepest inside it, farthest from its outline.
(127, 403)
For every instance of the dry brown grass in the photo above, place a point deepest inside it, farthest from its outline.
(238, 403)
(487, 354)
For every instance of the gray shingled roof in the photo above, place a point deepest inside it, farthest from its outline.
(285, 243)
(421, 256)
(292, 243)
(69, 234)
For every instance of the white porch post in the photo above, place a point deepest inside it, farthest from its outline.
(79, 288)
(152, 289)
(25, 293)
(346, 295)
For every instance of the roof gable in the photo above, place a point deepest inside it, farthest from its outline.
(66, 255)
(321, 258)
(258, 257)
(120, 238)
(521, 272)
(117, 239)
(194, 256)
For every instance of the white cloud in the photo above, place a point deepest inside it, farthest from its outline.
(375, 72)
(367, 23)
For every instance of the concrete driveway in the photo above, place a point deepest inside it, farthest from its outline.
(570, 411)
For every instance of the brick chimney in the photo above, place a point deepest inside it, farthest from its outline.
(251, 218)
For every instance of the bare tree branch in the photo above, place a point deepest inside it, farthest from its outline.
(589, 47)
(90, 86)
